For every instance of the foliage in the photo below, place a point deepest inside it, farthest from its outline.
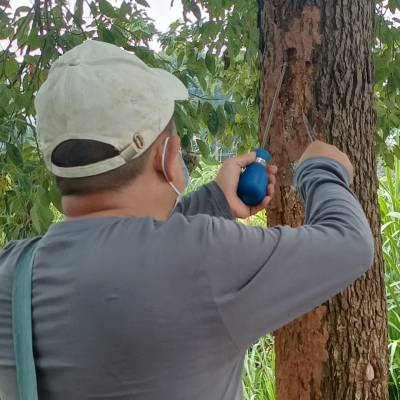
(387, 77)
(220, 48)
(205, 172)
(389, 201)
(259, 371)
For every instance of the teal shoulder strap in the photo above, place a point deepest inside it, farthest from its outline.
(22, 323)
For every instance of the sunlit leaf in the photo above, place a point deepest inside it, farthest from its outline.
(204, 149)
(106, 8)
(14, 155)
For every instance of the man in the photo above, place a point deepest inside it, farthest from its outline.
(137, 295)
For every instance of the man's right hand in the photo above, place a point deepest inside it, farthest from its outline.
(228, 179)
(321, 149)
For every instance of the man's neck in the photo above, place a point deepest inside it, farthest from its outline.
(137, 200)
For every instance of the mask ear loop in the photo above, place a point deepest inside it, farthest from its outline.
(163, 167)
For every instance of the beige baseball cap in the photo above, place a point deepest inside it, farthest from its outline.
(98, 91)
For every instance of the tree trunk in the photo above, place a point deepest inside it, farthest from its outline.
(339, 350)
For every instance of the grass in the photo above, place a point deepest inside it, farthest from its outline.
(389, 202)
(258, 371)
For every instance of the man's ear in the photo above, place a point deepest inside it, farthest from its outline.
(171, 155)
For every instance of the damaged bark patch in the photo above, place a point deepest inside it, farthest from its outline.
(299, 373)
(288, 136)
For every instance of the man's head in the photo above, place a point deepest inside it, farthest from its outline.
(103, 119)
(77, 152)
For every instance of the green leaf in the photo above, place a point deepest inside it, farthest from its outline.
(23, 29)
(5, 95)
(210, 29)
(55, 196)
(213, 123)
(394, 214)
(195, 9)
(393, 6)
(229, 108)
(210, 62)
(203, 147)
(24, 183)
(5, 32)
(78, 12)
(180, 58)
(93, 10)
(195, 174)
(14, 155)
(396, 151)
(11, 68)
(34, 40)
(200, 77)
(22, 10)
(4, 136)
(210, 161)
(41, 216)
(143, 3)
(221, 119)
(106, 35)
(117, 35)
(395, 119)
(182, 120)
(40, 213)
(206, 110)
(389, 159)
(185, 141)
(28, 59)
(106, 8)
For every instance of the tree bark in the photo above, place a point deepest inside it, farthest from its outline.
(339, 350)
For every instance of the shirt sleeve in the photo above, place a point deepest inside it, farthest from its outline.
(263, 278)
(209, 199)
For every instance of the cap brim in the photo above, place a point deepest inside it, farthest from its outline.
(171, 84)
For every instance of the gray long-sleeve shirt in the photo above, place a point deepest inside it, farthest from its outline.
(132, 308)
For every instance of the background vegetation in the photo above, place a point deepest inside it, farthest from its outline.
(389, 201)
(214, 50)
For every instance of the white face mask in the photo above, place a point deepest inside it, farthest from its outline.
(184, 170)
